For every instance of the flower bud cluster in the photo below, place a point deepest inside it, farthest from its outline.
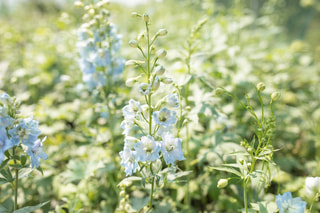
(98, 45)
(148, 128)
(15, 131)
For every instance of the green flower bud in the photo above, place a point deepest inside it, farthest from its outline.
(156, 83)
(146, 17)
(260, 86)
(222, 183)
(219, 91)
(130, 82)
(87, 7)
(159, 70)
(91, 11)
(133, 63)
(135, 15)
(133, 43)
(275, 96)
(122, 193)
(162, 32)
(141, 37)
(167, 80)
(161, 53)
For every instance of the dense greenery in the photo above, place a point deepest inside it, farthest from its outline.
(210, 44)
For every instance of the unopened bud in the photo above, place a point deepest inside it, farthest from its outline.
(260, 86)
(167, 80)
(275, 96)
(156, 83)
(222, 183)
(159, 70)
(141, 37)
(219, 91)
(87, 7)
(135, 15)
(162, 32)
(130, 82)
(122, 193)
(78, 4)
(146, 17)
(133, 43)
(133, 63)
(161, 53)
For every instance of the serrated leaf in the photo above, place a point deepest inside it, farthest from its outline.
(29, 209)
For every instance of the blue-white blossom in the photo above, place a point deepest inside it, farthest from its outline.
(5, 142)
(35, 152)
(312, 185)
(287, 204)
(165, 117)
(129, 161)
(171, 148)
(144, 89)
(147, 149)
(173, 100)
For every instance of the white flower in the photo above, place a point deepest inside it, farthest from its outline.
(312, 185)
(171, 148)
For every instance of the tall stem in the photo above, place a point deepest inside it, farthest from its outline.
(245, 196)
(16, 182)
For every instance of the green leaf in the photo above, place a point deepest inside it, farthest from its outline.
(15, 166)
(4, 163)
(130, 179)
(23, 160)
(29, 209)
(230, 170)
(3, 181)
(7, 174)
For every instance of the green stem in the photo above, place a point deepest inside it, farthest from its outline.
(314, 199)
(151, 195)
(245, 196)
(16, 185)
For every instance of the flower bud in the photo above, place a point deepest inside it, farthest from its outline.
(162, 32)
(156, 83)
(122, 193)
(219, 91)
(133, 63)
(222, 183)
(146, 17)
(167, 80)
(141, 37)
(135, 15)
(130, 82)
(275, 96)
(159, 70)
(87, 7)
(260, 86)
(161, 53)
(78, 4)
(133, 43)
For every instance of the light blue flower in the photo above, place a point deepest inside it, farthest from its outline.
(165, 117)
(171, 148)
(132, 110)
(117, 66)
(129, 161)
(83, 33)
(5, 119)
(4, 98)
(147, 149)
(102, 58)
(144, 88)
(287, 204)
(86, 66)
(5, 142)
(129, 142)
(86, 49)
(27, 131)
(36, 152)
(173, 100)
(94, 80)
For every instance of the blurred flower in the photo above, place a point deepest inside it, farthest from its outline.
(312, 185)
(287, 204)
(35, 152)
(173, 100)
(144, 89)
(5, 142)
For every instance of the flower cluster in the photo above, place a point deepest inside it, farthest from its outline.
(148, 128)
(287, 204)
(98, 46)
(15, 131)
